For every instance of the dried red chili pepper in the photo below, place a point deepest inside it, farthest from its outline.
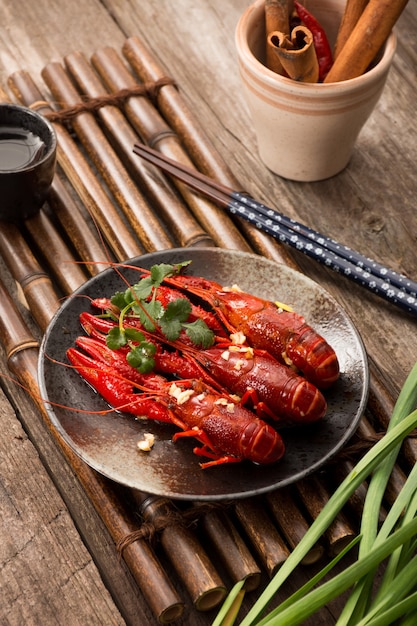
(321, 43)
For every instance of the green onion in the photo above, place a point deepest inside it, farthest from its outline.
(395, 540)
(231, 606)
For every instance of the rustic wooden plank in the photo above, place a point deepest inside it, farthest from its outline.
(42, 557)
(194, 41)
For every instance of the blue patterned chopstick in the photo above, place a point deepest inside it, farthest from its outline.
(375, 277)
(365, 264)
(317, 247)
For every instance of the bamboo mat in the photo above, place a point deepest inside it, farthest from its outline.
(106, 204)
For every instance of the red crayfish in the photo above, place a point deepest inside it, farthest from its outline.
(228, 432)
(284, 334)
(277, 392)
(199, 397)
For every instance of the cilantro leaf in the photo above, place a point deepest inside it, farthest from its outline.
(141, 290)
(199, 333)
(141, 357)
(170, 328)
(149, 313)
(163, 270)
(141, 300)
(116, 338)
(118, 299)
(134, 335)
(179, 309)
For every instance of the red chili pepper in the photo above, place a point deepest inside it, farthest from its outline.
(321, 43)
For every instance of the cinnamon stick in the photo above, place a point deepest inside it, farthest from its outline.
(351, 15)
(366, 40)
(296, 54)
(277, 18)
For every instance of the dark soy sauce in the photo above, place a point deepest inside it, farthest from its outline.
(19, 148)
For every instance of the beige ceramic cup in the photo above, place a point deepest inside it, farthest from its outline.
(305, 132)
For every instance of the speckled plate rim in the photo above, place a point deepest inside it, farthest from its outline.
(108, 442)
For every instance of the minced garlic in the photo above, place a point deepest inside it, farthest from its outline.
(146, 444)
(238, 338)
(181, 395)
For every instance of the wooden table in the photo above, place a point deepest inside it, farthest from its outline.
(58, 560)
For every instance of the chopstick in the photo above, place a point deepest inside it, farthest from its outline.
(383, 281)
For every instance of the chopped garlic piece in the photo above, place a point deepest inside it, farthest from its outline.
(238, 338)
(233, 288)
(238, 365)
(248, 350)
(181, 395)
(147, 443)
(221, 401)
(230, 407)
(225, 355)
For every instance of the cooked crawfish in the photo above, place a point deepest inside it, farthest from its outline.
(228, 432)
(284, 334)
(277, 392)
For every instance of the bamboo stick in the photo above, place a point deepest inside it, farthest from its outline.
(182, 548)
(292, 522)
(57, 254)
(270, 547)
(184, 229)
(198, 145)
(148, 230)
(351, 15)
(155, 131)
(339, 471)
(67, 213)
(77, 169)
(229, 545)
(397, 477)
(314, 495)
(36, 285)
(366, 40)
(22, 356)
(190, 560)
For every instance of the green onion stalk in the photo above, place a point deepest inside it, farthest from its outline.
(395, 542)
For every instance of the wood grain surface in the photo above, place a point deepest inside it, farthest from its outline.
(57, 561)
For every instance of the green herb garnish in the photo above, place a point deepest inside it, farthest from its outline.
(139, 301)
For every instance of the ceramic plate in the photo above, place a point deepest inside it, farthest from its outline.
(108, 442)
